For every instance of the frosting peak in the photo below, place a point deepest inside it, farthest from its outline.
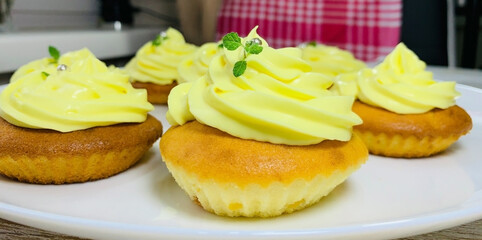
(399, 84)
(277, 99)
(331, 60)
(403, 61)
(87, 94)
(158, 64)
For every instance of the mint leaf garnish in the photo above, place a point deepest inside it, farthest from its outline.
(239, 68)
(253, 48)
(312, 43)
(54, 53)
(231, 41)
(220, 45)
(159, 39)
(45, 74)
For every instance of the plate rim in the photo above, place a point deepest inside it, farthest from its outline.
(423, 223)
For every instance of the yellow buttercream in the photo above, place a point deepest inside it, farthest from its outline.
(346, 84)
(272, 101)
(87, 94)
(399, 84)
(46, 64)
(331, 60)
(158, 64)
(196, 65)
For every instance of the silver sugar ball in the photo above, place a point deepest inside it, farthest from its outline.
(62, 67)
(163, 34)
(256, 41)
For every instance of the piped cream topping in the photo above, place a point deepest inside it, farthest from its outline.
(331, 60)
(278, 99)
(399, 84)
(87, 94)
(158, 64)
(196, 65)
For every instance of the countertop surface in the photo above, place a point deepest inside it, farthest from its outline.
(472, 230)
(104, 43)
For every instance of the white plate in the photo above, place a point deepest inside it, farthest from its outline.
(386, 198)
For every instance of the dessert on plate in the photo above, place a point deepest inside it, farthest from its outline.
(246, 140)
(75, 120)
(405, 112)
(154, 66)
(330, 60)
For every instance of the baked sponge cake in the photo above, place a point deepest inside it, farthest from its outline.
(79, 123)
(411, 135)
(51, 157)
(256, 145)
(231, 176)
(154, 67)
(405, 112)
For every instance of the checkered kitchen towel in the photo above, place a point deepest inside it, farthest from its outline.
(369, 29)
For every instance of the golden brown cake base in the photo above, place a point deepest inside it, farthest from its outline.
(51, 157)
(237, 177)
(410, 135)
(156, 94)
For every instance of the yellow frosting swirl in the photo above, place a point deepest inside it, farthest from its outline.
(331, 60)
(269, 102)
(196, 65)
(399, 84)
(87, 94)
(45, 64)
(158, 64)
(346, 84)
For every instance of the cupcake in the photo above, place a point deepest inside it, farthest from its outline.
(155, 65)
(247, 140)
(405, 112)
(80, 122)
(330, 60)
(196, 65)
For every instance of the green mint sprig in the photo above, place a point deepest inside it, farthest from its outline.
(45, 74)
(239, 68)
(159, 39)
(54, 53)
(253, 46)
(312, 43)
(232, 41)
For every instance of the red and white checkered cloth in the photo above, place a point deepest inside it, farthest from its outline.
(368, 28)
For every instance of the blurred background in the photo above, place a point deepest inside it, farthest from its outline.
(440, 32)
